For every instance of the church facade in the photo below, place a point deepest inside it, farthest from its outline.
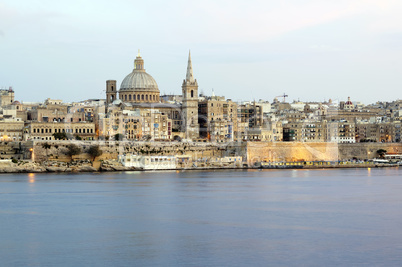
(139, 93)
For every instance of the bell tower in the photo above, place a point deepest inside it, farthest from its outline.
(190, 103)
(111, 92)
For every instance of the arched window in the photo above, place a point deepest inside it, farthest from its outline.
(146, 97)
(129, 97)
(142, 97)
(192, 93)
(125, 97)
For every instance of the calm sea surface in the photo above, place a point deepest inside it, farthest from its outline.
(348, 217)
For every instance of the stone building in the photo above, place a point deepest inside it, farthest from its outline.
(341, 131)
(156, 125)
(11, 130)
(136, 124)
(54, 111)
(6, 97)
(218, 119)
(305, 131)
(45, 130)
(272, 131)
(383, 132)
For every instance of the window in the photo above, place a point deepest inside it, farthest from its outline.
(192, 93)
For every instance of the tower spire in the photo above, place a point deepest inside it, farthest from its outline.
(189, 75)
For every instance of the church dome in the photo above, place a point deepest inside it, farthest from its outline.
(139, 86)
(138, 79)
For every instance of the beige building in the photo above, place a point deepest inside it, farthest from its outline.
(137, 124)
(341, 131)
(251, 113)
(271, 132)
(383, 132)
(156, 126)
(54, 111)
(305, 131)
(319, 131)
(218, 119)
(11, 130)
(6, 97)
(45, 130)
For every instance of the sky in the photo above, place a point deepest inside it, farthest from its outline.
(312, 50)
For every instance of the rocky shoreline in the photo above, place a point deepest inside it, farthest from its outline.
(53, 167)
(113, 166)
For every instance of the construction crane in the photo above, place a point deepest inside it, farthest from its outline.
(284, 97)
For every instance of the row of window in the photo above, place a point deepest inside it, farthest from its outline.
(139, 97)
(50, 138)
(46, 130)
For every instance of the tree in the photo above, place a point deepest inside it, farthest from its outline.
(381, 152)
(147, 137)
(46, 146)
(177, 138)
(118, 137)
(77, 137)
(72, 150)
(60, 136)
(94, 151)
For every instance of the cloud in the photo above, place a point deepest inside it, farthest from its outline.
(326, 48)
(259, 21)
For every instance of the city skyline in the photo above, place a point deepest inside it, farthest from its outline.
(311, 51)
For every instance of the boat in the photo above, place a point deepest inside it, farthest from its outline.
(280, 165)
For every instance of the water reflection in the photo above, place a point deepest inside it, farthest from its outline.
(31, 178)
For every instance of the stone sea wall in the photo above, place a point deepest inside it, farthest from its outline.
(317, 151)
(51, 155)
(290, 151)
(366, 150)
(111, 150)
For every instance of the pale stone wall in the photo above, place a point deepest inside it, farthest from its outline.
(366, 150)
(319, 151)
(251, 152)
(291, 151)
(112, 149)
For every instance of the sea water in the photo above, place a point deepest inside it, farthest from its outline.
(337, 217)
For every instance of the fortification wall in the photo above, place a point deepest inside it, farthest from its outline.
(112, 149)
(291, 151)
(250, 151)
(366, 150)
